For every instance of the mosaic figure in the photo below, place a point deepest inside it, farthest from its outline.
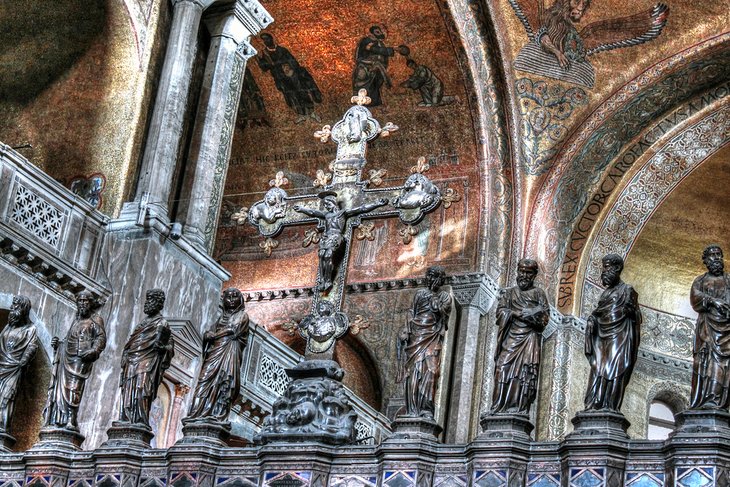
(420, 343)
(557, 49)
(710, 298)
(18, 344)
(612, 338)
(427, 84)
(73, 360)
(522, 314)
(145, 357)
(292, 80)
(371, 64)
(219, 381)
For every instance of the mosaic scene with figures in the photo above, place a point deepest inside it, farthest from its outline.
(269, 243)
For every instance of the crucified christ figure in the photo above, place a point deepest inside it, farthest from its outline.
(332, 224)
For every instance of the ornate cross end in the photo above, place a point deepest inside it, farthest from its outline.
(418, 196)
(267, 214)
(388, 129)
(279, 180)
(322, 179)
(323, 326)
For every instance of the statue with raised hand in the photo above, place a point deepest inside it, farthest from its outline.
(710, 298)
(522, 314)
(73, 360)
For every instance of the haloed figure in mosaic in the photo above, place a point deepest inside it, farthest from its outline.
(145, 358)
(710, 297)
(18, 344)
(72, 362)
(612, 338)
(522, 314)
(219, 381)
(420, 344)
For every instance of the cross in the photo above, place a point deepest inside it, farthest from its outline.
(346, 199)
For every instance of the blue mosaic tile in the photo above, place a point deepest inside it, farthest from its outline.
(586, 478)
(236, 482)
(695, 477)
(400, 479)
(490, 478)
(353, 480)
(287, 479)
(643, 480)
(543, 480)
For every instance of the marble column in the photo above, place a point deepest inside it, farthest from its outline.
(166, 127)
(176, 412)
(207, 165)
(475, 295)
(562, 341)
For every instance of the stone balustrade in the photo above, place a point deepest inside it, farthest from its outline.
(47, 232)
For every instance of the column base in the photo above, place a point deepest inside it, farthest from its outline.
(703, 421)
(128, 435)
(602, 422)
(201, 431)
(6, 441)
(414, 428)
(55, 438)
(506, 425)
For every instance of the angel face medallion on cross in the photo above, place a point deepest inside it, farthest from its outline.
(345, 201)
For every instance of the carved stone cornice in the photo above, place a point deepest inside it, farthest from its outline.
(476, 289)
(250, 13)
(54, 275)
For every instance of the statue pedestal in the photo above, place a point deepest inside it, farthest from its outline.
(602, 422)
(128, 435)
(414, 428)
(314, 408)
(506, 425)
(6, 441)
(205, 432)
(703, 421)
(55, 438)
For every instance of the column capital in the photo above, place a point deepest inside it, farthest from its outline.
(203, 4)
(475, 290)
(237, 20)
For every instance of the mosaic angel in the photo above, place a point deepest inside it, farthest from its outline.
(557, 49)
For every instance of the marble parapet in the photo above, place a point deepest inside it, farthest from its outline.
(47, 233)
(695, 459)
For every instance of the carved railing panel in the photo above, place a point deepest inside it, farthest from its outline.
(46, 230)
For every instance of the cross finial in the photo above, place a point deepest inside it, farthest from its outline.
(361, 98)
(279, 180)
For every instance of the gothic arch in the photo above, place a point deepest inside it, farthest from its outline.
(620, 224)
(591, 152)
(475, 29)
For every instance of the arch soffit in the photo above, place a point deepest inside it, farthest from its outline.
(621, 222)
(585, 158)
(485, 74)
